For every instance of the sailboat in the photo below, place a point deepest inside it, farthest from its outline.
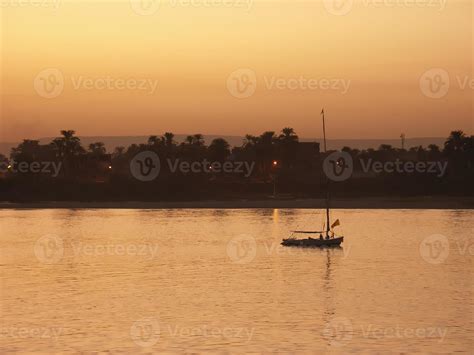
(327, 237)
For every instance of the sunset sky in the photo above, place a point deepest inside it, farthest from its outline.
(125, 69)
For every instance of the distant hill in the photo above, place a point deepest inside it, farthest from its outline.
(114, 141)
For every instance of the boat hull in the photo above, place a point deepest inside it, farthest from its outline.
(313, 243)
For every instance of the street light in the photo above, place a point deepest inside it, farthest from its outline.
(275, 165)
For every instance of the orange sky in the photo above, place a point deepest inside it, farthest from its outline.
(115, 68)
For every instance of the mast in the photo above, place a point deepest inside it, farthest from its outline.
(328, 227)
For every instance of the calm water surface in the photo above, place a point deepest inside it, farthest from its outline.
(218, 280)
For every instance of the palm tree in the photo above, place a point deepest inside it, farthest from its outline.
(193, 148)
(168, 139)
(69, 144)
(28, 150)
(118, 151)
(198, 139)
(287, 146)
(455, 142)
(153, 140)
(266, 151)
(219, 150)
(459, 150)
(67, 147)
(288, 135)
(250, 141)
(97, 149)
(386, 147)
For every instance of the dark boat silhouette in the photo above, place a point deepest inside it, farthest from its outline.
(313, 242)
(326, 238)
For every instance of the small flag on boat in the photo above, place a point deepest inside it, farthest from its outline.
(336, 223)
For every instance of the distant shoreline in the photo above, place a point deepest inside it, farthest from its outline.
(429, 202)
(236, 141)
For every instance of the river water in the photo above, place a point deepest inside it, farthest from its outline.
(218, 280)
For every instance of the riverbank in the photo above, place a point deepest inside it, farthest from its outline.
(428, 202)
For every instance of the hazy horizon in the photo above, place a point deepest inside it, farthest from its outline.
(111, 142)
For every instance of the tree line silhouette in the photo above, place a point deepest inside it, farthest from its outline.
(94, 174)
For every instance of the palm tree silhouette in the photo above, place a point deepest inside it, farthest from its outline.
(168, 139)
(97, 149)
(67, 147)
(455, 142)
(288, 135)
(219, 150)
